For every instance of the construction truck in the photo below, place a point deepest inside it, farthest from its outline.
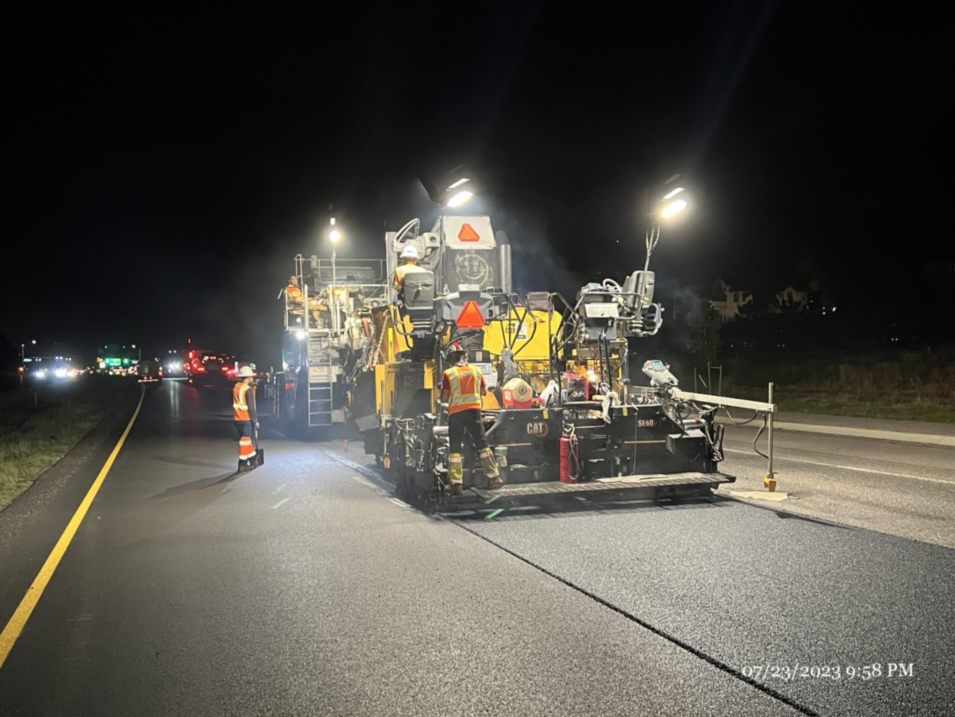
(320, 341)
(561, 413)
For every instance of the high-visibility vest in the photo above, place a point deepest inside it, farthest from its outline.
(294, 294)
(465, 384)
(400, 272)
(240, 409)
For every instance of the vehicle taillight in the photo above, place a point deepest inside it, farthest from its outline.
(289, 386)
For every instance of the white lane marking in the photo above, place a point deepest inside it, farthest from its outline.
(849, 468)
(898, 437)
(399, 503)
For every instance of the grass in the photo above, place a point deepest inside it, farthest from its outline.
(910, 386)
(40, 426)
(897, 405)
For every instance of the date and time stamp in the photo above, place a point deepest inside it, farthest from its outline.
(835, 672)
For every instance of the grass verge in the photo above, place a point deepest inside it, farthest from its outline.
(38, 426)
(892, 404)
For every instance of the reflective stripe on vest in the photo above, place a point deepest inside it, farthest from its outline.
(240, 409)
(465, 388)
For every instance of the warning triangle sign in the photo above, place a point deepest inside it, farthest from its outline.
(470, 316)
(467, 233)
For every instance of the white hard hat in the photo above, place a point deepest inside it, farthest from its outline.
(409, 252)
(246, 372)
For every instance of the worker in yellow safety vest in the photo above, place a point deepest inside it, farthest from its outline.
(462, 386)
(244, 416)
(409, 257)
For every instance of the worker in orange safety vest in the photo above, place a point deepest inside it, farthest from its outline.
(293, 293)
(462, 387)
(244, 416)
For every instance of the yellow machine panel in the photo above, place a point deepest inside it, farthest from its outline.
(527, 330)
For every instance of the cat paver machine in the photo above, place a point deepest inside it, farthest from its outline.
(561, 413)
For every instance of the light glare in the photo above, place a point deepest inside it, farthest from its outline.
(672, 209)
(460, 199)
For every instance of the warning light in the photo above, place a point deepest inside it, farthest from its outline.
(467, 233)
(470, 316)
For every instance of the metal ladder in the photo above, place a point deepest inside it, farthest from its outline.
(320, 392)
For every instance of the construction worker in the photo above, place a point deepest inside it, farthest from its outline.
(409, 258)
(244, 416)
(293, 293)
(462, 386)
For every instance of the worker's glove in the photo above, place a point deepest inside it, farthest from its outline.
(256, 425)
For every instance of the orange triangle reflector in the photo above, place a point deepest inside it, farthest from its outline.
(467, 233)
(470, 316)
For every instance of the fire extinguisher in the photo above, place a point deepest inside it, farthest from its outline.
(569, 456)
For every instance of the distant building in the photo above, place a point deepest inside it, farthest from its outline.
(733, 300)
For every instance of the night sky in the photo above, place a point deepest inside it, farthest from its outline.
(166, 165)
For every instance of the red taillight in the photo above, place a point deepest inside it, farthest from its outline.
(289, 386)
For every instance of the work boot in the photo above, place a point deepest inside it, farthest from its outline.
(494, 482)
(489, 465)
(455, 472)
(456, 489)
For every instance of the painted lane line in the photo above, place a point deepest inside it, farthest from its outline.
(33, 594)
(850, 468)
(929, 439)
(279, 504)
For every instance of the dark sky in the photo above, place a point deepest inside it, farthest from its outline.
(167, 164)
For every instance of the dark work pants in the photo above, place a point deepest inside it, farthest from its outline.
(468, 422)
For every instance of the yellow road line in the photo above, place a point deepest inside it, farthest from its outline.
(20, 616)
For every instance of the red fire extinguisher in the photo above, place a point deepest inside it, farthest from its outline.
(569, 456)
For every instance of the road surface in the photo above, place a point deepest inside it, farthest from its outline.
(306, 588)
(899, 488)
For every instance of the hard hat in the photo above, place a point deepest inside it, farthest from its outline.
(246, 372)
(454, 348)
(409, 252)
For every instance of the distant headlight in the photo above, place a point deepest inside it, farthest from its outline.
(60, 373)
(41, 373)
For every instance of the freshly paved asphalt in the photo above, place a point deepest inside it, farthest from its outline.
(304, 588)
